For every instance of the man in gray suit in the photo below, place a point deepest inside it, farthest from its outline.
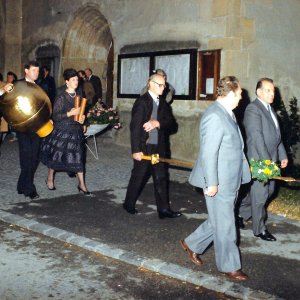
(263, 142)
(220, 169)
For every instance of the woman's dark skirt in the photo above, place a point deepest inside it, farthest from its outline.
(64, 149)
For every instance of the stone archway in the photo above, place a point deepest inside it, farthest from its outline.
(87, 44)
(49, 55)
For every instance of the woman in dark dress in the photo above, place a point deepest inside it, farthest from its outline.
(64, 148)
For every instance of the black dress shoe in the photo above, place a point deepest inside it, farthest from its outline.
(266, 236)
(33, 195)
(168, 213)
(131, 211)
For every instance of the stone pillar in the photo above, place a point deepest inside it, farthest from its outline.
(13, 37)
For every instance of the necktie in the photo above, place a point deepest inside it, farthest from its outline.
(233, 117)
(238, 128)
(272, 115)
(157, 101)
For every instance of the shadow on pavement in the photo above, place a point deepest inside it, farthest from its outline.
(103, 219)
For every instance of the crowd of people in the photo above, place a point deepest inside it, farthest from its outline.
(220, 170)
(64, 148)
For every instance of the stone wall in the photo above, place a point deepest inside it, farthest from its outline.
(12, 36)
(2, 33)
(257, 37)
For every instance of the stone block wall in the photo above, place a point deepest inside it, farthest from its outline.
(257, 38)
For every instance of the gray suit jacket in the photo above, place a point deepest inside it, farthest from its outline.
(221, 159)
(263, 138)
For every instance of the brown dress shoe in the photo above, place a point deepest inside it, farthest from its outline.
(238, 275)
(194, 257)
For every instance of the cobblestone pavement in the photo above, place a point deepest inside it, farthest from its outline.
(110, 171)
(274, 267)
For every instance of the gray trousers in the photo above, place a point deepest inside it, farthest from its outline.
(220, 229)
(253, 205)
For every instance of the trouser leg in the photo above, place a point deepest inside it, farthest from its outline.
(259, 195)
(245, 207)
(139, 177)
(159, 174)
(219, 228)
(28, 155)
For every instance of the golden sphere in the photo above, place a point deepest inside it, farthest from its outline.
(27, 108)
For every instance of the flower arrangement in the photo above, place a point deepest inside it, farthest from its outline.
(100, 115)
(264, 170)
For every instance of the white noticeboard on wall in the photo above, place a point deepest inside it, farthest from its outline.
(177, 68)
(134, 74)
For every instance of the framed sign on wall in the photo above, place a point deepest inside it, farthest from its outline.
(179, 65)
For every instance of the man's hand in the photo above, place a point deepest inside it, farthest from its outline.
(211, 191)
(150, 125)
(284, 163)
(7, 88)
(137, 155)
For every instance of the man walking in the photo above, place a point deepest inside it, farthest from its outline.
(220, 169)
(152, 120)
(263, 142)
(29, 145)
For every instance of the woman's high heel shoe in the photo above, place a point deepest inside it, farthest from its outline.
(85, 193)
(50, 189)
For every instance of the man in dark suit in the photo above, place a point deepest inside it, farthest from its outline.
(263, 142)
(220, 169)
(152, 120)
(47, 83)
(96, 82)
(29, 145)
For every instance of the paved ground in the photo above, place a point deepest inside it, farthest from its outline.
(33, 266)
(100, 224)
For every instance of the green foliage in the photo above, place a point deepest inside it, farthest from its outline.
(263, 170)
(290, 126)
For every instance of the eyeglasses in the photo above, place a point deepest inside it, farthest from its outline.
(160, 85)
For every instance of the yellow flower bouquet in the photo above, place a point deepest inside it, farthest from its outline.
(264, 170)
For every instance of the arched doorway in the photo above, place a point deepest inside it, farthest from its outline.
(88, 44)
(49, 55)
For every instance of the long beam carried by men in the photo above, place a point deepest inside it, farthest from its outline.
(155, 159)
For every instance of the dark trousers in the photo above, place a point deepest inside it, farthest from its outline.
(141, 172)
(29, 146)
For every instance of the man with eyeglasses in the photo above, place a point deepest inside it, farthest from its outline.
(151, 121)
(169, 90)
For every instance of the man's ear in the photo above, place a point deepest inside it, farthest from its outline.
(231, 95)
(258, 93)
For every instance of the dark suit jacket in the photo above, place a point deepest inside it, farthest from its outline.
(48, 85)
(141, 113)
(263, 138)
(96, 82)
